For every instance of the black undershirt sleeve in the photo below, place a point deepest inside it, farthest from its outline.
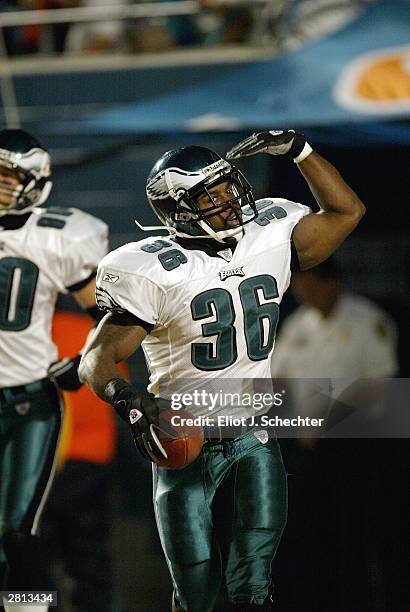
(294, 259)
(127, 318)
(81, 284)
(96, 313)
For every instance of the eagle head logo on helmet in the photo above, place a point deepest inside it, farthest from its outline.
(182, 176)
(25, 172)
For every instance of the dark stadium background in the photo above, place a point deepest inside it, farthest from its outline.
(319, 568)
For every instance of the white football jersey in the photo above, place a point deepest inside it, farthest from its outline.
(52, 252)
(214, 316)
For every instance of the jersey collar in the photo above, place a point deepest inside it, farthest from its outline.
(13, 222)
(213, 248)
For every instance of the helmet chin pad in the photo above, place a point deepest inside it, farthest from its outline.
(224, 236)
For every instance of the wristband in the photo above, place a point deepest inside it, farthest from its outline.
(62, 366)
(307, 150)
(118, 388)
(117, 392)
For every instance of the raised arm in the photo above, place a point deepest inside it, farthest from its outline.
(318, 235)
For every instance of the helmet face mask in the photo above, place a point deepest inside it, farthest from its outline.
(24, 172)
(189, 189)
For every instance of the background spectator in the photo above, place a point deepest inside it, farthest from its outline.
(97, 36)
(59, 31)
(78, 519)
(337, 487)
(333, 334)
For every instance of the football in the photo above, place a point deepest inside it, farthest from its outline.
(181, 440)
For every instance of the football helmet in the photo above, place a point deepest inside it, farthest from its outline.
(23, 154)
(181, 176)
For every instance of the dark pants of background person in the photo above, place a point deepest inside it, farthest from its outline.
(76, 530)
(344, 545)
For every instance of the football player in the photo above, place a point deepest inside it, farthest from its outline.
(43, 251)
(204, 303)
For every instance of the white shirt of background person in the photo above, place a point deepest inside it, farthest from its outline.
(333, 335)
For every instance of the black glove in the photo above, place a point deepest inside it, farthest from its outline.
(275, 142)
(65, 373)
(141, 413)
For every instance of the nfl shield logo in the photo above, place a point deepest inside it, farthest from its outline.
(23, 408)
(134, 416)
(226, 254)
(262, 436)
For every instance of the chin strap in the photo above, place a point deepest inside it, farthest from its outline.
(156, 228)
(235, 233)
(209, 234)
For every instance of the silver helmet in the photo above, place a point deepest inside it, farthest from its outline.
(24, 155)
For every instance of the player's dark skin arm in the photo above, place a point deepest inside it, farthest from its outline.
(109, 345)
(317, 236)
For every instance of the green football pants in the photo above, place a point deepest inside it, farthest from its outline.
(220, 521)
(29, 428)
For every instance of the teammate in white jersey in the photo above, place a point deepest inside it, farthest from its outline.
(204, 303)
(42, 252)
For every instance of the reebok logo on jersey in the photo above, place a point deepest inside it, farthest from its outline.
(234, 272)
(110, 278)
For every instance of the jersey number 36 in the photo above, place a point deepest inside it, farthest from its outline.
(260, 321)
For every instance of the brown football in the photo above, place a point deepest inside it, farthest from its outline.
(181, 440)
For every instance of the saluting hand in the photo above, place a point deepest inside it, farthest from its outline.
(275, 142)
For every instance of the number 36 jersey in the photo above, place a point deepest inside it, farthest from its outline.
(212, 316)
(56, 250)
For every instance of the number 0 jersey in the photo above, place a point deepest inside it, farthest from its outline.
(54, 251)
(212, 317)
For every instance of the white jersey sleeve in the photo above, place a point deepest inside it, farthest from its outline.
(125, 283)
(273, 228)
(84, 242)
(286, 213)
